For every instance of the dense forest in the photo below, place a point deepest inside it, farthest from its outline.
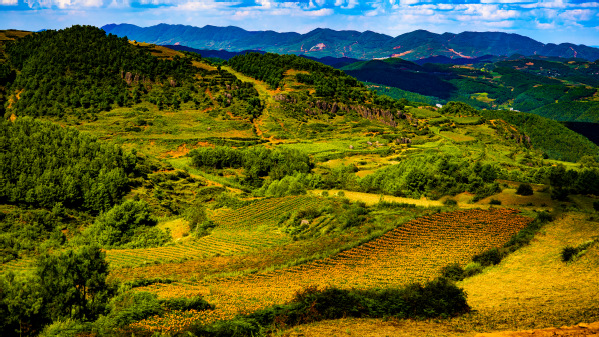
(43, 164)
(82, 70)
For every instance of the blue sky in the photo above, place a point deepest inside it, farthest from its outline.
(556, 21)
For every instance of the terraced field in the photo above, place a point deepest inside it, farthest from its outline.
(248, 228)
(413, 252)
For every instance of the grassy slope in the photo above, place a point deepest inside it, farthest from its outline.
(536, 288)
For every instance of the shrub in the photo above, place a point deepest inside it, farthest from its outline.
(437, 298)
(489, 257)
(472, 269)
(134, 306)
(524, 189)
(125, 223)
(568, 253)
(64, 328)
(450, 202)
(453, 271)
(494, 202)
(596, 206)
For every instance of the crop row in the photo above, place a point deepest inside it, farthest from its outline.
(247, 228)
(264, 212)
(413, 252)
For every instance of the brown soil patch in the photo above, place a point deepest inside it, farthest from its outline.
(209, 93)
(183, 150)
(179, 152)
(582, 329)
(230, 114)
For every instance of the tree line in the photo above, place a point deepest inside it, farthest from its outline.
(257, 162)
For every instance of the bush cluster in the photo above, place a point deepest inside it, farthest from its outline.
(437, 298)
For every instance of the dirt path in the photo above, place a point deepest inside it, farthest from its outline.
(266, 96)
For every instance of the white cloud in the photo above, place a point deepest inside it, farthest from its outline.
(8, 2)
(445, 6)
(549, 25)
(351, 4)
(319, 12)
(264, 3)
(576, 15)
(409, 2)
(587, 5)
(504, 1)
(546, 4)
(489, 12)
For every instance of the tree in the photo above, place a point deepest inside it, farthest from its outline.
(524, 189)
(118, 226)
(73, 283)
(20, 307)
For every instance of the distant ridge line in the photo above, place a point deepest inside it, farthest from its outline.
(324, 42)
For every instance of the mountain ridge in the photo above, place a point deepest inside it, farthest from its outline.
(322, 42)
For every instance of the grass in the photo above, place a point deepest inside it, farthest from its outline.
(483, 97)
(537, 288)
(374, 328)
(179, 228)
(457, 137)
(184, 163)
(466, 120)
(423, 113)
(373, 199)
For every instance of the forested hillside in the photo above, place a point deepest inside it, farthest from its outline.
(44, 164)
(82, 70)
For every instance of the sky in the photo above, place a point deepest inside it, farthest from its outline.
(551, 21)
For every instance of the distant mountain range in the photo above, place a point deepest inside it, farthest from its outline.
(366, 45)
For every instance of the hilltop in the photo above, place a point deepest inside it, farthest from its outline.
(367, 45)
(149, 191)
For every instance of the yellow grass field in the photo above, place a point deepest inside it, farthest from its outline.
(372, 199)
